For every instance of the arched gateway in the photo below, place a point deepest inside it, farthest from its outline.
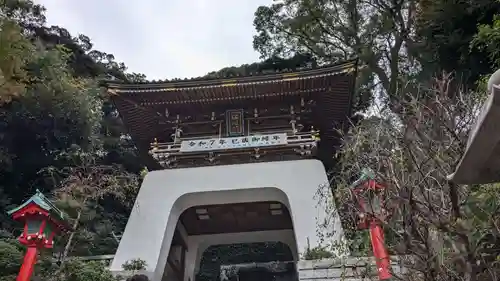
(234, 162)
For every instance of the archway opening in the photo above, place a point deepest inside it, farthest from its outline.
(248, 225)
(264, 261)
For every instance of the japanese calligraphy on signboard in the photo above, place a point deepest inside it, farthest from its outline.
(233, 143)
(234, 122)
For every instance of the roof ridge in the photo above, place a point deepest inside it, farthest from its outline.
(187, 82)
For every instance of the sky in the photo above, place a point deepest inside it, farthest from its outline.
(164, 39)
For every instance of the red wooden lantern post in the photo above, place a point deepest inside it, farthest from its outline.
(367, 192)
(42, 220)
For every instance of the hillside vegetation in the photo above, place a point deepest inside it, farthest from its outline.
(424, 66)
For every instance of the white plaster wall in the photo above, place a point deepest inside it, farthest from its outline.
(480, 163)
(168, 273)
(165, 194)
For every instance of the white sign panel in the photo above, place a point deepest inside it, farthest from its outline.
(232, 143)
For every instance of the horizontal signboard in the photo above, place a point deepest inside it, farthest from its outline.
(232, 143)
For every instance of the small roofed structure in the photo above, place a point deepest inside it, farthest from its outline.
(40, 205)
(480, 163)
(42, 220)
(292, 107)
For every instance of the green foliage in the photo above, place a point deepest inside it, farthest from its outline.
(339, 30)
(11, 256)
(488, 39)
(15, 54)
(86, 271)
(51, 107)
(270, 65)
(134, 265)
(397, 42)
(317, 253)
(445, 32)
(57, 112)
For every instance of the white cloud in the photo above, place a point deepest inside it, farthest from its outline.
(164, 39)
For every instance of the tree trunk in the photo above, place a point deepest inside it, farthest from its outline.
(70, 239)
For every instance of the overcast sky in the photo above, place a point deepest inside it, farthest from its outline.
(164, 38)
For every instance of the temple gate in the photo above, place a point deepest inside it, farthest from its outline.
(233, 161)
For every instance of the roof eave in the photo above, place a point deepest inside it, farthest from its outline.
(41, 201)
(334, 68)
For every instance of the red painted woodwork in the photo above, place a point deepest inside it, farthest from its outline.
(365, 191)
(28, 264)
(42, 220)
(381, 256)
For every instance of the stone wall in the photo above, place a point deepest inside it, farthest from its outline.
(348, 269)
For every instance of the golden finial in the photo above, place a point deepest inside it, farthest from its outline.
(155, 144)
(315, 134)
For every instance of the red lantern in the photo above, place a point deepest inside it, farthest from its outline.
(42, 220)
(367, 192)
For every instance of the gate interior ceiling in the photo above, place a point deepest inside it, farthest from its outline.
(232, 218)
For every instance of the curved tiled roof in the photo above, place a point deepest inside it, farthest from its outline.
(260, 78)
(142, 106)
